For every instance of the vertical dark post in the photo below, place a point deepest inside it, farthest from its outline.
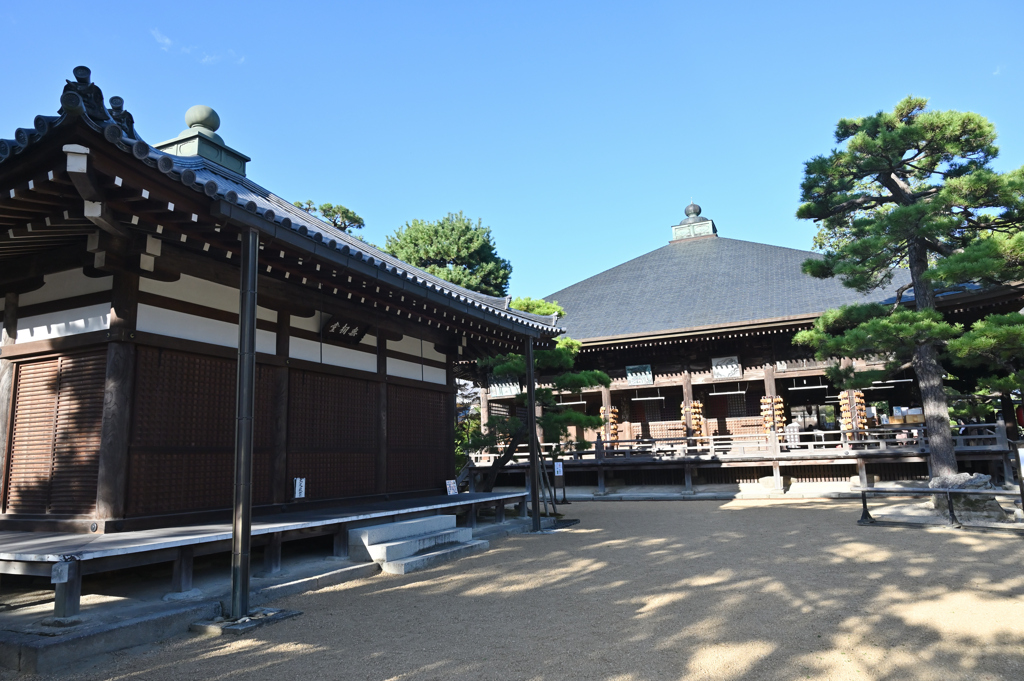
(381, 468)
(279, 483)
(688, 400)
(112, 477)
(485, 409)
(531, 426)
(245, 396)
(8, 336)
(606, 403)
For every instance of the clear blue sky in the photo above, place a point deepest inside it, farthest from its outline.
(578, 131)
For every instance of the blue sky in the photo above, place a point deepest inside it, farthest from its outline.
(578, 131)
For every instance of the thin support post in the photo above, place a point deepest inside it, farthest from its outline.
(272, 555)
(865, 516)
(688, 478)
(341, 542)
(499, 512)
(68, 594)
(862, 472)
(471, 516)
(531, 415)
(600, 481)
(952, 516)
(777, 474)
(241, 537)
(181, 575)
(522, 507)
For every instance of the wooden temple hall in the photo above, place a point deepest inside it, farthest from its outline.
(697, 337)
(125, 268)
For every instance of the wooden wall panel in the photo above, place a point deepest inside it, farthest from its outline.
(181, 456)
(419, 449)
(55, 440)
(332, 434)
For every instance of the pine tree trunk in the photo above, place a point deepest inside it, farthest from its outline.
(930, 372)
(487, 484)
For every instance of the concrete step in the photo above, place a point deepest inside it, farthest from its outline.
(422, 561)
(403, 548)
(360, 538)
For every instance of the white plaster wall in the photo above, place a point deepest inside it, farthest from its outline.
(202, 292)
(64, 323)
(64, 285)
(307, 323)
(408, 345)
(435, 375)
(334, 355)
(430, 353)
(190, 327)
(403, 369)
(347, 357)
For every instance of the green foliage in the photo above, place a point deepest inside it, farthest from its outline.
(911, 189)
(538, 306)
(995, 343)
(334, 214)
(454, 249)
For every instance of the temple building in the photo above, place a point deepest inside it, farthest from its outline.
(120, 280)
(697, 337)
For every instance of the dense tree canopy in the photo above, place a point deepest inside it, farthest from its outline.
(454, 249)
(913, 190)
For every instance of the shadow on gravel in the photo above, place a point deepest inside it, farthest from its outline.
(646, 591)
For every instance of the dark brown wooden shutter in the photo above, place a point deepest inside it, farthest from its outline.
(54, 457)
(332, 434)
(181, 456)
(419, 446)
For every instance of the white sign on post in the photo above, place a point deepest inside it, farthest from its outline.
(300, 488)
(452, 487)
(558, 469)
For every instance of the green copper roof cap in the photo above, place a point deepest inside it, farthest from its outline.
(201, 139)
(693, 225)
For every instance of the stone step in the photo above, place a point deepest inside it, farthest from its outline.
(403, 548)
(422, 561)
(360, 538)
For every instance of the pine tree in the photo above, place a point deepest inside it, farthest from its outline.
(454, 249)
(509, 432)
(912, 189)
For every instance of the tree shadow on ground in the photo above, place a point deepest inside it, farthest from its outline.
(644, 591)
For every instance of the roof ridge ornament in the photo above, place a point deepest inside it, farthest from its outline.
(693, 225)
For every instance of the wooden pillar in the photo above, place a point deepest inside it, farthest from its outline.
(112, 478)
(279, 484)
(67, 600)
(8, 336)
(453, 411)
(769, 381)
(341, 541)
(181, 575)
(381, 479)
(688, 400)
(485, 409)
(272, 555)
(606, 404)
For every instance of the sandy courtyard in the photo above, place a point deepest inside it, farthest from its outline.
(649, 590)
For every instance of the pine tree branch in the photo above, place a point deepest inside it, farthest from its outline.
(899, 296)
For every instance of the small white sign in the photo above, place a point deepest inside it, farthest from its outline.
(300, 488)
(452, 487)
(726, 367)
(558, 469)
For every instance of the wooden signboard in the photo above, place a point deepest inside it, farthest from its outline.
(344, 330)
(503, 386)
(726, 367)
(639, 374)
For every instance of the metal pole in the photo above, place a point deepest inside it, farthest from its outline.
(245, 396)
(531, 418)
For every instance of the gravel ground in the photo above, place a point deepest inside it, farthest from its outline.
(654, 590)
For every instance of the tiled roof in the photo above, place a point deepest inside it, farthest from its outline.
(84, 103)
(704, 282)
